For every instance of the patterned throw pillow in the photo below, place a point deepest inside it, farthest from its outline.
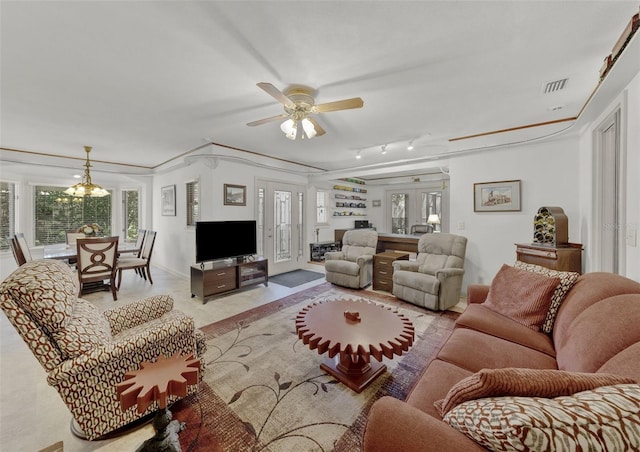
(521, 295)
(567, 280)
(46, 289)
(86, 330)
(525, 382)
(606, 418)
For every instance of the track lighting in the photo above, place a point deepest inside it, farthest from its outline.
(384, 149)
(358, 156)
(410, 146)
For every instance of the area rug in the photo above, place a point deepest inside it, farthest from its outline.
(263, 389)
(295, 278)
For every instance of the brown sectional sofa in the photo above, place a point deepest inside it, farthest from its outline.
(596, 330)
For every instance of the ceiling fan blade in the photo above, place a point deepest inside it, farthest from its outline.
(266, 120)
(275, 93)
(345, 104)
(319, 130)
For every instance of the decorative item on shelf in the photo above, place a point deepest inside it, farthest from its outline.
(551, 227)
(90, 229)
(86, 187)
(434, 220)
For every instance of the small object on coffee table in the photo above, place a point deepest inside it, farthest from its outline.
(353, 316)
(156, 381)
(351, 332)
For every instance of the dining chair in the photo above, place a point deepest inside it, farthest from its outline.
(24, 248)
(17, 252)
(97, 260)
(141, 263)
(72, 236)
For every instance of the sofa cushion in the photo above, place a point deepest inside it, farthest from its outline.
(525, 382)
(473, 350)
(46, 289)
(480, 318)
(434, 384)
(605, 418)
(521, 295)
(567, 280)
(87, 329)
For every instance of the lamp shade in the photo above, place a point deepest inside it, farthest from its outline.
(290, 129)
(433, 219)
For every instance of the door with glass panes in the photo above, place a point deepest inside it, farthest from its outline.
(280, 225)
(409, 207)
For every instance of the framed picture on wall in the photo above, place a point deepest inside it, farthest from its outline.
(168, 196)
(500, 196)
(235, 195)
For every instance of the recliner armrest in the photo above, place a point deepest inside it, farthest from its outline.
(138, 312)
(411, 266)
(444, 273)
(334, 255)
(477, 293)
(364, 259)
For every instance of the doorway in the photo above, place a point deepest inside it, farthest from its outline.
(609, 217)
(280, 224)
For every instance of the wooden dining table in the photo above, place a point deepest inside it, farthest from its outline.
(63, 251)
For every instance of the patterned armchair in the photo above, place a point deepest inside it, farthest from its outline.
(86, 352)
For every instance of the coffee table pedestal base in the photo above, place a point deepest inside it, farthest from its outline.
(355, 376)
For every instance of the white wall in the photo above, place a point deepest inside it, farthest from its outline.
(549, 177)
(174, 249)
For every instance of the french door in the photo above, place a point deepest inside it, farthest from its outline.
(280, 225)
(413, 206)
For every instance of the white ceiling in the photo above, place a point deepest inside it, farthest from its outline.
(145, 82)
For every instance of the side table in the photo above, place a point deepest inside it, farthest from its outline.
(383, 269)
(156, 381)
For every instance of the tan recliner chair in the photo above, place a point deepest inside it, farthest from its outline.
(353, 266)
(434, 279)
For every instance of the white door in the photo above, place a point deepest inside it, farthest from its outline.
(280, 225)
(609, 195)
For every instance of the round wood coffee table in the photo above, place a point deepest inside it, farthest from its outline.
(351, 332)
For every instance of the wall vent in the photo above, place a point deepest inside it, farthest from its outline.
(554, 86)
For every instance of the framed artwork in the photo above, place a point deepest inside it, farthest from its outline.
(500, 196)
(376, 202)
(169, 200)
(235, 195)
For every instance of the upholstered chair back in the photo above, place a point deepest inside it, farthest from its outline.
(441, 250)
(358, 242)
(43, 309)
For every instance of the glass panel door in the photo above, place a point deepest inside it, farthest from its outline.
(282, 216)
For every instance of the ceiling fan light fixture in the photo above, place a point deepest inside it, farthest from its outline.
(290, 129)
(309, 129)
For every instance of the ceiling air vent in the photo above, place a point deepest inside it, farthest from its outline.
(554, 86)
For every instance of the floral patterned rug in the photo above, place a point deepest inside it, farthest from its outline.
(264, 390)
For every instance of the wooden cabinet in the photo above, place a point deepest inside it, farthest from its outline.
(216, 278)
(383, 269)
(562, 258)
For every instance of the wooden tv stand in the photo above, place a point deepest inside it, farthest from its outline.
(222, 277)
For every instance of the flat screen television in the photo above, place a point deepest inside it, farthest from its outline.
(224, 239)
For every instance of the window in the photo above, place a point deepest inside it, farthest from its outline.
(7, 213)
(56, 212)
(193, 203)
(130, 207)
(322, 204)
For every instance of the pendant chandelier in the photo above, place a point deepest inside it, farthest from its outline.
(86, 187)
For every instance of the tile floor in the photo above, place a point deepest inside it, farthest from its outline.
(32, 415)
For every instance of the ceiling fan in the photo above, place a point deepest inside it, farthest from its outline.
(299, 105)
